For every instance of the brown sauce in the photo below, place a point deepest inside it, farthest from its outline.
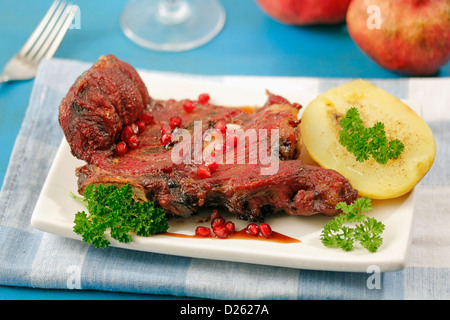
(242, 234)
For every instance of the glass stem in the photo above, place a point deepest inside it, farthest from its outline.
(173, 11)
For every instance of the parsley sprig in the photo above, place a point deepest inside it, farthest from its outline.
(366, 230)
(365, 142)
(114, 208)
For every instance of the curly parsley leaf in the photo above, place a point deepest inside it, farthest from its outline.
(335, 234)
(367, 231)
(114, 208)
(364, 142)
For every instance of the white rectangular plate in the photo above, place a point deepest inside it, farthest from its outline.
(55, 209)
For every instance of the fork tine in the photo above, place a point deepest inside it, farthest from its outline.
(43, 36)
(58, 34)
(34, 36)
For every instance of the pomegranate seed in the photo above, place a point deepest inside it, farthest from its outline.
(215, 214)
(141, 126)
(217, 222)
(203, 98)
(134, 142)
(221, 126)
(265, 229)
(127, 132)
(166, 138)
(146, 117)
(253, 229)
(121, 148)
(229, 225)
(188, 106)
(203, 172)
(166, 129)
(175, 122)
(134, 128)
(221, 231)
(211, 164)
(203, 231)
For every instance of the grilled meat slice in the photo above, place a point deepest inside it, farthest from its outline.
(295, 189)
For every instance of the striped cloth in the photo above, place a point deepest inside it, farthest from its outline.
(32, 258)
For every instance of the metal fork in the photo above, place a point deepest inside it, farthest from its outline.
(43, 42)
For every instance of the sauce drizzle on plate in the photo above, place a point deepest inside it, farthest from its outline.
(242, 235)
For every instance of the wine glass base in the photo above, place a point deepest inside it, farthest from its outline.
(194, 24)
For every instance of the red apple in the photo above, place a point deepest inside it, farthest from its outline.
(410, 37)
(305, 12)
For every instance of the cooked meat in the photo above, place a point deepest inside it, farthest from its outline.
(295, 189)
(101, 102)
(239, 187)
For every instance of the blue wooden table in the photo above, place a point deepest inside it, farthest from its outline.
(250, 44)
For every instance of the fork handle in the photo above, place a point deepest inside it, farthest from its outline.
(3, 78)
